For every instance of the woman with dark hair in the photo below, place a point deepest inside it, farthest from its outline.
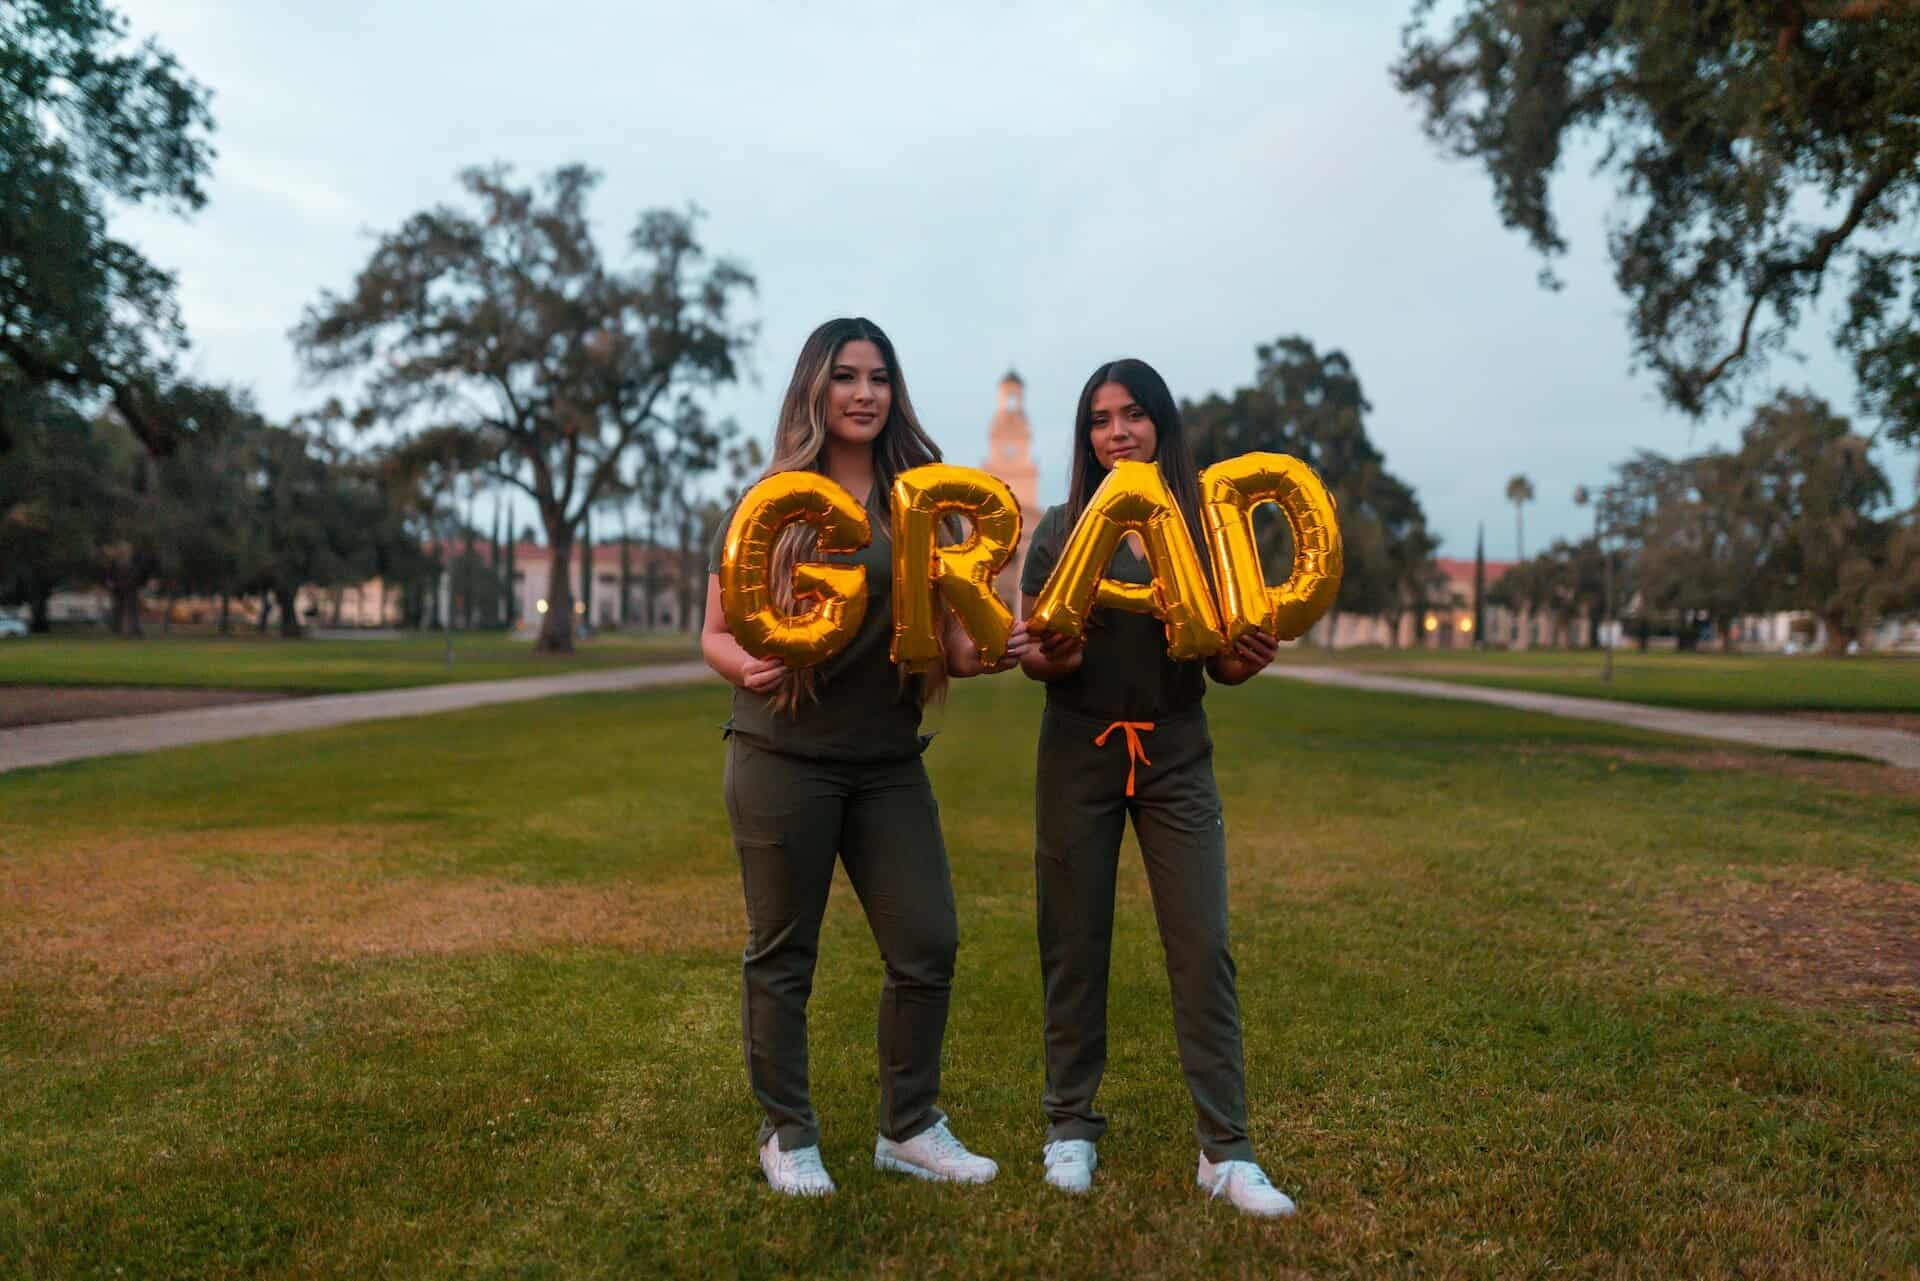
(825, 761)
(1124, 733)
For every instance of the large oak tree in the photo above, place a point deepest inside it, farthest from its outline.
(504, 321)
(86, 120)
(1763, 151)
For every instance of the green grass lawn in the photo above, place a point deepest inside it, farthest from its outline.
(1712, 681)
(315, 666)
(458, 996)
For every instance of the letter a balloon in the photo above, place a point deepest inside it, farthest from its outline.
(1133, 498)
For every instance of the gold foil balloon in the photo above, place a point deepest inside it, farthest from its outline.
(1133, 498)
(838, 592)
(1229, 492)
(922, 498)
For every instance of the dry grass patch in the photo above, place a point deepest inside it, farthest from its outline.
(1862, 778)
(1808, 938)
(1905, 722)
(46, 704)
(125, 923)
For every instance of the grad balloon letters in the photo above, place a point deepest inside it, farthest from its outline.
(1133, 498)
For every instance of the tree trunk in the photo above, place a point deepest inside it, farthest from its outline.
(224, 612)
(586, 571)
(649, 588)
(556, 625)
(509, 588)
(289, 612)
(626, 571)
(126, 611)
(266, 613)
(166, 619)
(39, 611)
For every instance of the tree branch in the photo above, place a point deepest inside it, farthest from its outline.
(1815, 261)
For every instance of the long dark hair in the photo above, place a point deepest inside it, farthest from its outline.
(1171, 449)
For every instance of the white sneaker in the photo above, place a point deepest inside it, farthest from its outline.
(1245, 1184)
(1070, 1164)
(933, 1154)
(796, 1173)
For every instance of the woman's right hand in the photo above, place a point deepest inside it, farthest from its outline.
(760, 675)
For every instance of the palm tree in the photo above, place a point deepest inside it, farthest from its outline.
(1519, 493)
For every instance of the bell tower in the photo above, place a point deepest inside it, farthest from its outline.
(1010, 457)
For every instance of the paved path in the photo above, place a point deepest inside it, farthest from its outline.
(75, 740)
(1779, 732)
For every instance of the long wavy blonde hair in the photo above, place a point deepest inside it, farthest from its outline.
(800, 444)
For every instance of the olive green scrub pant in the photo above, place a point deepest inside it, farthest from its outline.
(790, 816)
(1082, 808)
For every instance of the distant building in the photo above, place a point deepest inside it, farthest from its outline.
(1010, 457)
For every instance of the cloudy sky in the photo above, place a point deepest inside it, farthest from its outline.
(1044, 186)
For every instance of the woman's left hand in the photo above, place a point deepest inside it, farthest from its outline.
(964, 659)
(1018, 643)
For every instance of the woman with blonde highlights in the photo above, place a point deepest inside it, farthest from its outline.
(825, 762)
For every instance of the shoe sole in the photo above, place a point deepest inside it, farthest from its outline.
(1072, 1189)
(1287, 1213)
(897, 1166)
(829, 1190)
(799, 1192)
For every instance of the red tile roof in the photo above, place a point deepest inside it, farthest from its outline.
(1461, 571)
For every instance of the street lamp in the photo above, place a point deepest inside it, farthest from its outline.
(1581, 497)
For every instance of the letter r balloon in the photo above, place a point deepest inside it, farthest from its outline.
(921, 499)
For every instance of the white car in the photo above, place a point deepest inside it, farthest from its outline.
(10, 626)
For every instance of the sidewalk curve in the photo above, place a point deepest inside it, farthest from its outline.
(35, 745)
(1778, 732)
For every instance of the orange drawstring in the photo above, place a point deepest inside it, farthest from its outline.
(1135, 753)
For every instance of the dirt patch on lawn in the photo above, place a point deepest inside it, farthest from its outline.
(148, 927)
(1436, 668)
(1811, 939)
(1905, 722)
(47, 704)
(1863, 778)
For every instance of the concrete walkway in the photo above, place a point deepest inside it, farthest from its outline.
(35, 745)
(1779, 732)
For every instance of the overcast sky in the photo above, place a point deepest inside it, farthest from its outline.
(1044, 186)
